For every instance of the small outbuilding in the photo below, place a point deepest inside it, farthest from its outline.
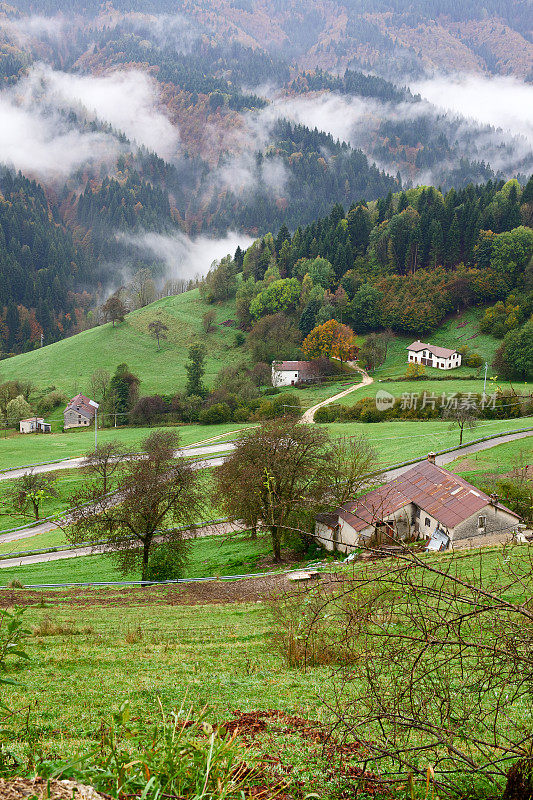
(432, 356)
(79, 413)
(34, 425)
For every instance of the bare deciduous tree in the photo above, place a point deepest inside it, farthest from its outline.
(432, 666)
(158, 330)
(103, 463)
(142, 288)
(99, 383)
(143, 505)
(461, 417)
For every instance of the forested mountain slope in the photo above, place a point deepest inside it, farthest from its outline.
(129, 127)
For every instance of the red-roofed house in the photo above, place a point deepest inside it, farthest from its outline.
(432, 356)
(79, 412)
(426, 502)
(289, 373)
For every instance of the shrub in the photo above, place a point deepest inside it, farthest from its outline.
(215, 414)
(284, 405)
(17, 409)
(52, 400)
(469, 357)
(166, 563)
(415, 371)
(424, 652)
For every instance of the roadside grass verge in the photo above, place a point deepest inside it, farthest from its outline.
(207, 556)
(438, 388)
(405, 439)
(497, 460)
(20, 450)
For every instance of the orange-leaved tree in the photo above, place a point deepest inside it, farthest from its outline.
(332, 339)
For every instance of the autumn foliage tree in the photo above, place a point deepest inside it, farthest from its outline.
(332, 339)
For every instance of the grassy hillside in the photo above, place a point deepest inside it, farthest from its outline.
(68, 365)
(456, 332)
(94, 649)
(403, 440)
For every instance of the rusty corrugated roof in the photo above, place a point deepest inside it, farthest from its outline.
(447, 497)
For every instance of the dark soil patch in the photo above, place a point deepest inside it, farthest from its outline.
(247, 590)
(261, 729)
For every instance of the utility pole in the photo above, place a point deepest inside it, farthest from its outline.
(96, 407)
(42, 339)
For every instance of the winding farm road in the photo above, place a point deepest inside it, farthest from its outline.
(309, 415)
(225, 527)
(76, 463)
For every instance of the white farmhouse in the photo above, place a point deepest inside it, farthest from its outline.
(432, 356)
(425, 502)
(289, 373)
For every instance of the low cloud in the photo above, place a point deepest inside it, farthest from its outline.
(127, 100)
(478, 129)
(503, 102)
(33, 27)
(184, 257)
(38, 136)
(44, 144)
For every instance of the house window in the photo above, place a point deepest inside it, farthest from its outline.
(482, 523)
(428, 522)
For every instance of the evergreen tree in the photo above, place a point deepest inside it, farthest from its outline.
(195, 371)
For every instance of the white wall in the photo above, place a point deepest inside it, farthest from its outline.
(449, 363)
(283, 377)
(325, 536)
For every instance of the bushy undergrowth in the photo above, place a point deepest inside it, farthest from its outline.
(431, 663)
(428, 406)
(178, 757)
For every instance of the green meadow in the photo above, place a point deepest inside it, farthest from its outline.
(20, 450)
(67, 365)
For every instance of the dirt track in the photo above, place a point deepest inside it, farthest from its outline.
(249, 590)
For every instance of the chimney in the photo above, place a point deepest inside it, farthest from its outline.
(494, 500)
(431, 457)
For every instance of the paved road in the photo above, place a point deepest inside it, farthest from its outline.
(309, 415)
(76, 463)
(217, 529)
(46, 527)
(467, 449)
(221, 528)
